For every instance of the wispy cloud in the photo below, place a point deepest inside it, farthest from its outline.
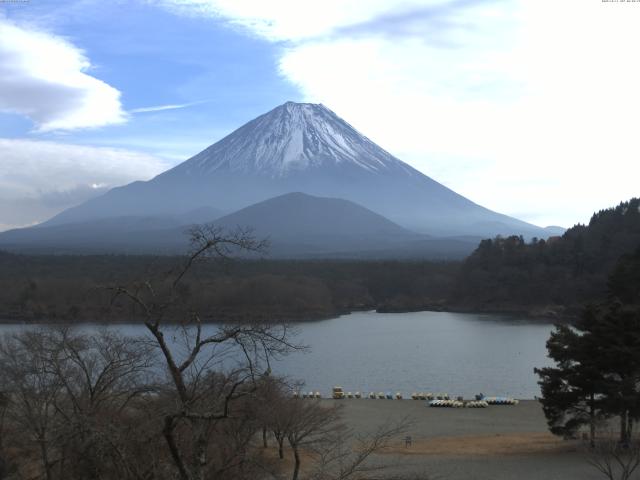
(434, 23)
(45, 78)
(161, 108)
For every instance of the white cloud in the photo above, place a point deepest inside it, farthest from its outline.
(290, 19)
(162, 108)
(39, 179)
(527, 107)
(45, 77)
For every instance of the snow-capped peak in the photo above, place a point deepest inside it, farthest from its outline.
(290, 138)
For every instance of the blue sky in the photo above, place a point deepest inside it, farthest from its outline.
(156, 58)
(528, 108)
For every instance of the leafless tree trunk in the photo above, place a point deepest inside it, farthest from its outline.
(280, 439)
(296, 466)
(4, 403)
(203, 399)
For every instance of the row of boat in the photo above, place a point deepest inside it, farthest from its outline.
(434, 399)
(500, 400)
(458, 404)
(307, 395)
(429, 396)
(339, 394)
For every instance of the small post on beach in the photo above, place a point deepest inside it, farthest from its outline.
(407, 441)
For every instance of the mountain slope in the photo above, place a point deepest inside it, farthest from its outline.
(303, 226)
(131, 234)
(302, 148)
(298, 226)
(298, 214)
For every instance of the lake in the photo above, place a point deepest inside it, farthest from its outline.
(455, 353)
(460, 354)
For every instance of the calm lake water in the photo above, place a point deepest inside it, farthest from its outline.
(455, 353)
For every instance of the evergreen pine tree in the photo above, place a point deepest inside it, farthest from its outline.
(597, 372)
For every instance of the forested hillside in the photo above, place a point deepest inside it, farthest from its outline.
(72, 288)
(554, 276)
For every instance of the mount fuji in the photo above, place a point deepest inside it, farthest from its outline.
(298, 147)
(301, 147)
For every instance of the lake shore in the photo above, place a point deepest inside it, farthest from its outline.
(542, 314)
(498, 442)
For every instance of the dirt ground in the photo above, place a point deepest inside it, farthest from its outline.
(495, 443)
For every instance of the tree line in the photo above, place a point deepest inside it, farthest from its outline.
(558, 275)
(69, 288)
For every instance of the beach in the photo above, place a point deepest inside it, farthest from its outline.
(498, 442)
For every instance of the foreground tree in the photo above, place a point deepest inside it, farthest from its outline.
(597, 372)
(105, 377)
(571, 391)
(617, 330)
(309, 425)
(201, 392)
(32, 393)
(72, 396)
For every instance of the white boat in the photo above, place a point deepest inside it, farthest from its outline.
(338, 393)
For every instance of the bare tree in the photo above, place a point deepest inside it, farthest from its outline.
(309, 425)
(4, 464)
(269, 401)
(343, 454)
(72, 394)
(102, 375)
(104, 370)
(32, 393)
(613, 459)
(199, 395)
(279, 423)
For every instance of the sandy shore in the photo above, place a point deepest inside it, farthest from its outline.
(499, 442)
